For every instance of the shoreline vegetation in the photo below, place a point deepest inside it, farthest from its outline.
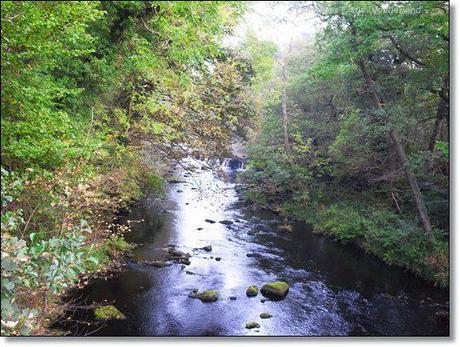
(100, 100)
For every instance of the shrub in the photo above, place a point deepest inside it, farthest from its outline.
(344, 223)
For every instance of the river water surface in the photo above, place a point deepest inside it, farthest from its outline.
(334, 289)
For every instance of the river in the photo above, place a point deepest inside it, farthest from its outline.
(335, 289)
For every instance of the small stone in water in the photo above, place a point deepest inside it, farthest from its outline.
(252, 325)
(226, 222)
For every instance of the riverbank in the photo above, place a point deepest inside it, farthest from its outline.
(390, 237)
(75, 236)
(39, 304)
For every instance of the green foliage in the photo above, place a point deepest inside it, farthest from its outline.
(53, 264)
(117, 243)
(443, 147)
(155, 184)
(344, 223)
(38, 38)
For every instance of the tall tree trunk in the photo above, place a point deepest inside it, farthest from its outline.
(285, 114)
(401, 154)
(442, 113)
(284, 79)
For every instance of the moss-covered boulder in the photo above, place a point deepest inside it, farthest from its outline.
(265, 315)
(252, 291)
(108, 312)
(252, 325)
(275, 290)
(208, 295)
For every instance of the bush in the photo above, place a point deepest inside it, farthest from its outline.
(343, 223)
(48, 265)
(154, 184)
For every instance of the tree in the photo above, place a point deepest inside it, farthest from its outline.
(360, 37)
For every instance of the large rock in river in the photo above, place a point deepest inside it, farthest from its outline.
(275, 290)
(252, 291)
(208, 295)
(108, 312)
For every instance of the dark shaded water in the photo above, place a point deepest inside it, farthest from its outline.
(334, 289)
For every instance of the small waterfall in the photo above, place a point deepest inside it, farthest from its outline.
(233, 164)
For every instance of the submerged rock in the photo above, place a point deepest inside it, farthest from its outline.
(265, 315)
(176, 253)
(176, 181)
(273, 222)
(252, 325)
(108, 312)
(252, 291)
(285, 227)
(179, 256)
(443, 315)
(276, 290)
(226, 222)
(155, 263)
(232, 298)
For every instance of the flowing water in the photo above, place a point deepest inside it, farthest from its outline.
(334, 289)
